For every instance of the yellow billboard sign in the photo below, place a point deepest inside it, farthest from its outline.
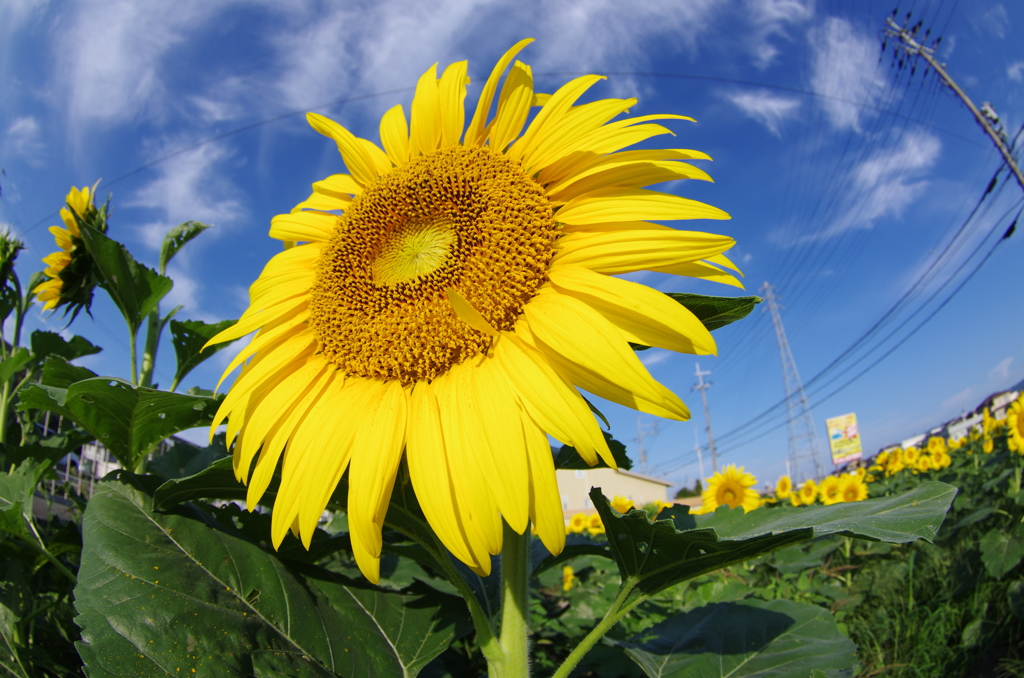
(843, 438)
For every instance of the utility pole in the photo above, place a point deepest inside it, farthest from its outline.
(696, 448)
(702, 387)
(986, 117)
(651, 429)
(803, 437)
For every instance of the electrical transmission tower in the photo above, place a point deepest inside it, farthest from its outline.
(803, 437)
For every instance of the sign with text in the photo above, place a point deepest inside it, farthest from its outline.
(843, 438)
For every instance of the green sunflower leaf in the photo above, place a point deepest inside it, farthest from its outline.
(159, 592)
(45, 344)
(17, 492)
(176, 238)
(716, 312)
(1001, 550)
(189, 337)
(655, 555)
(780, 638)
(135, 289)
(127, 420)
(16, 361)
(568, 458)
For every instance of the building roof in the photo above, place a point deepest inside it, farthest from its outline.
(666, 483)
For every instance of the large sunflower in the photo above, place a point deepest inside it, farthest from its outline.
(445, 298)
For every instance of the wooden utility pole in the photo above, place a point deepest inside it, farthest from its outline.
(910, 45)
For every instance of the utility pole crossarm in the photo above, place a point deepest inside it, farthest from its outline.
(703, 386)
(911, 46)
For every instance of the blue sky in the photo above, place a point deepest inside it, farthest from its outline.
(847, 180)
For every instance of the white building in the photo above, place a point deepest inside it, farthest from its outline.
(574, 487)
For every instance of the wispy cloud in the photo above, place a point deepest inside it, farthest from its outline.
(652, 357)
(994, 20)
(188, 187)
(962, 400)
(885, 184)
(1016, 71)
(766, 107)
(1001, 372)
(770, 19)
(845, 72)
(24, 138)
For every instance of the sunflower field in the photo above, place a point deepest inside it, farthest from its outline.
(381, 499)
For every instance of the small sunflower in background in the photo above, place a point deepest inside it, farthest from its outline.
(941, 460)
(808, 492)
(595, 525)
(923, 464)
(578, 522)
(1015, 425)
(568, 577)
(622, 504)
(852, 488)
(936, 444)
(829, 491)
(784, 487)
(443, 300)
(70, 270)
(910, 456)
(731, 487)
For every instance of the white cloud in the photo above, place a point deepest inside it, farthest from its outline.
(886, 183)
(845, 72)
(770, 18)
(766, 107)
(961, 400)
(188, 187)
(1016, 71)
(652, 357)
(995, 20)
(1001, 372)
(24, 139)
(397, 38)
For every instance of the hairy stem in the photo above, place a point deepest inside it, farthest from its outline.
(515, 607)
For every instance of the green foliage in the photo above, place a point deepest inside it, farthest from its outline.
(135, 289)
(215, 604)
(716, 312)
(128, 420)
(656, 555)
(747, 638)
(176, 238)
(568, 458)
(189, 337)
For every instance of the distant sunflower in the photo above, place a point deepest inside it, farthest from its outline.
(924, 463)
(1015, 425)
(829, 491)
(70, 269)
(595, 525)
(808, 492)
(852, 488)
(445, 298)
(936, 444)
(578, 522)
(622, 504)
(731, 487)
(784, 487)
(911, 455)
(568, 577)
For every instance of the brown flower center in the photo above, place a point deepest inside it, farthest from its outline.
(464, 218)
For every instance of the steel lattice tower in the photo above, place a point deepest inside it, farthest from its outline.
(803, 436)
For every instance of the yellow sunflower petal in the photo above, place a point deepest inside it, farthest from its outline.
(513, 106)
(632, 204)
(355, 155)
(303, 226)
(645, 316)
(615, 252)
(476, 132)
(380, 440)
(550, 114)
(569, 328)
(452, 92)
(394, 135)
(545, 500)
(426, 115)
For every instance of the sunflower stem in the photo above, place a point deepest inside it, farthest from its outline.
(617, 611)
(515, 607)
